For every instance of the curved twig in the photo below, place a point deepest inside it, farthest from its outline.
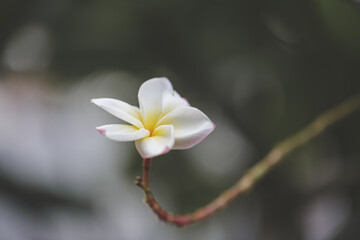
(250, 178)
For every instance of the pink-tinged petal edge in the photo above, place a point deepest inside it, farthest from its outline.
(167, 149)
(214, 126)
(102, 131)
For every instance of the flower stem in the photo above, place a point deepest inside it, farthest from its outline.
(250, 178)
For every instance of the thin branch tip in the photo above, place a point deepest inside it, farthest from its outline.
(139, 182)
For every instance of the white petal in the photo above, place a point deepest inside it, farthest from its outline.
(161, 141)
(150, 99)
(191, 126)
(120, 109)
(123, 133)
(172, 100)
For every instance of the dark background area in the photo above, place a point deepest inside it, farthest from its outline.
(261, 70)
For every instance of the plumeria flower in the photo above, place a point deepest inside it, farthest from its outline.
(163, 122)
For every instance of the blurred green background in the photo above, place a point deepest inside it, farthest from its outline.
(261, 70)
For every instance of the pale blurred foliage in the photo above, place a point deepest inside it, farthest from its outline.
(29, 49)
(255, 70)
(325, 216)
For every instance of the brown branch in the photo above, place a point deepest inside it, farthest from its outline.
(250, 178)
